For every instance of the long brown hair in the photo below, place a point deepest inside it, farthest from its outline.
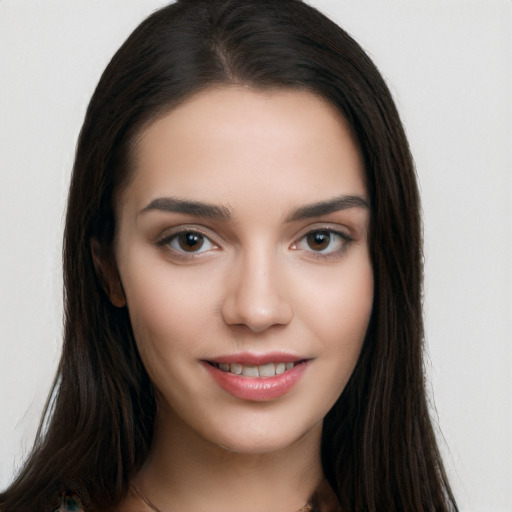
(379, 451)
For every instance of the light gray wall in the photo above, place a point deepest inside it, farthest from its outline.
(448, 64)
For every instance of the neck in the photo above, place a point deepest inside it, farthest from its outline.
(185, 472)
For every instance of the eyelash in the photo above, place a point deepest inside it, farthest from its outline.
(168, 240)
(343, 240)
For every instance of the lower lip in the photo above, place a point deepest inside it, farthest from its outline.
(257, 389)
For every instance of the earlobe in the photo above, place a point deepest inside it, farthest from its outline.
(106, 271)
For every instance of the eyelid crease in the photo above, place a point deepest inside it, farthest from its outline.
(342, 230)
(173, 233)
(332, 231)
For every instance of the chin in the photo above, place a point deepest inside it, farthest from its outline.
(259, 440)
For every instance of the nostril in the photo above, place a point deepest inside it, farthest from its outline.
(256, 294)
(256, 317)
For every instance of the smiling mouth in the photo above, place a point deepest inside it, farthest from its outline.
(263, 370)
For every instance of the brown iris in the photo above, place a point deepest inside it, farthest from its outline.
(190, 241)
(318, 240)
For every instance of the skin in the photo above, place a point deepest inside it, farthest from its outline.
(254, 282)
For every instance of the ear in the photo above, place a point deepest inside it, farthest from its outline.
(106, 271)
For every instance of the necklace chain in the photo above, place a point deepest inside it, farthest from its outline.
(154, 508)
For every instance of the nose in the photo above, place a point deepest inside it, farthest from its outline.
(256, 295)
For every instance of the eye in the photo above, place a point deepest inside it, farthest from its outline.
(322, 241)
(188, 242)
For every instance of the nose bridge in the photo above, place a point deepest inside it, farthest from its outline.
(257, 295)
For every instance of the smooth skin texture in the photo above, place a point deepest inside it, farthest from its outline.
(267, 253)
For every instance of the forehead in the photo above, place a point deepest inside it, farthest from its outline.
(238, 144)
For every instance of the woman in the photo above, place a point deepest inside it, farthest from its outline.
(242, 268)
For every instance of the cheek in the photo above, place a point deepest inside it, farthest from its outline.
(342, 300)
(169, 309)
(338, 314)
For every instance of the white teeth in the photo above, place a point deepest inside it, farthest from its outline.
(267, 370)
(236, 368)
(264, 370)
(250, 371)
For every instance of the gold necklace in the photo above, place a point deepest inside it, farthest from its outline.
(154, 508)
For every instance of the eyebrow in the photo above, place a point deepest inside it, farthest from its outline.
(196, 208)
(330, 206)
(211, 211)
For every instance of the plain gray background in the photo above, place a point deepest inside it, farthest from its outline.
(448, 64)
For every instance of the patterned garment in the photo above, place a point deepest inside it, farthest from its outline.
(323, 500)
(70, 503)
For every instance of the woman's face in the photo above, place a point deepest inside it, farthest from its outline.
(243, 256)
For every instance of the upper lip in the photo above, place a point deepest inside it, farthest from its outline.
(250, 358)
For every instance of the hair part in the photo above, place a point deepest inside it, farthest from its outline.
(378, 450)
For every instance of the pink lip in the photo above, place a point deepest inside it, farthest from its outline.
(250, 358)
(257, 389)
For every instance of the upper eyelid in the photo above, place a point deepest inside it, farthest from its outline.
(345, 236)
(342, 230)
(165, 240)
(322, 256)
(169, 233)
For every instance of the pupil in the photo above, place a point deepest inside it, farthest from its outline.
(319, 240)
(190, 241)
